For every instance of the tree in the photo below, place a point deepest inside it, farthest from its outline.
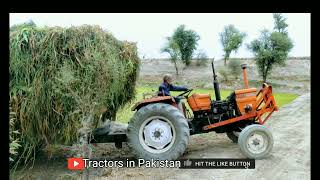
(231, 39)
(172, 49)
(280, 24)
(187, 41)
(201, 58)
(29, 23)
(271, 48)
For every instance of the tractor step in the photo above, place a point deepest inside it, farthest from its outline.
(116, 138)
(113, 132)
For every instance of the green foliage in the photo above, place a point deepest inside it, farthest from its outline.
(201, 58)
(28, 24)
(271, 48)
(224, 73)
(172, 49)
(284, 98)
(234, 66)
(60, 75)
(187, 41)
(231, 39)
(13, 137)
(280, 24)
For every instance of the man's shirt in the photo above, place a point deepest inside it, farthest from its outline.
(165, 88)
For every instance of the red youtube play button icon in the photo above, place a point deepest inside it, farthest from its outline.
(75, 163)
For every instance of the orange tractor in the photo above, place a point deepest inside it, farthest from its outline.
(160, 128)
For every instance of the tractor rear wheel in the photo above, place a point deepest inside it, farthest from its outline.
(158, 131)
(255, 141)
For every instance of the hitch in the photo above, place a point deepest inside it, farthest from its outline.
(110, 133)
(116, 138)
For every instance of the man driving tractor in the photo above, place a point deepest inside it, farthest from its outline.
(166, 86)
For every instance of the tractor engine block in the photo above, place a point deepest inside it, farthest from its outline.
(219, 111)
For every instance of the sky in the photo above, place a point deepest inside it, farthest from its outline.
(150, 30)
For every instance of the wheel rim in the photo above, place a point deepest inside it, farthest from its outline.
(157, 134)
(257, 142)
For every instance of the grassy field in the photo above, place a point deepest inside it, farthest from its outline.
(125, 113)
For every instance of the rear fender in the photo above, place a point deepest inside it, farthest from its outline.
(157, 99)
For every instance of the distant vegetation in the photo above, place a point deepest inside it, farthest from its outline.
(231, 39)
(28, 24)
(201, 58)
(234, 68)
(173, 50)
(181, 46)
(271, 48)
(187, 41)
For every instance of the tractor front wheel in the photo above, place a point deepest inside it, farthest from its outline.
(255, 141)
(158, 131)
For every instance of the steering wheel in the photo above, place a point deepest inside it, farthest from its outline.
(187, 91)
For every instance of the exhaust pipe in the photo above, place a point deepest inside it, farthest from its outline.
(215, 84)
(245, 79)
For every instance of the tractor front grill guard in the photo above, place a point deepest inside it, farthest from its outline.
(265, 104)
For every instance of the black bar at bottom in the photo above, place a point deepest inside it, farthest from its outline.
(217, 164)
